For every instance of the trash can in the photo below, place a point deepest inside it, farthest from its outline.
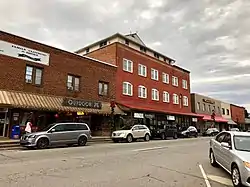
(15, 132)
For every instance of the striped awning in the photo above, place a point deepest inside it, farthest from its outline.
(33, 101)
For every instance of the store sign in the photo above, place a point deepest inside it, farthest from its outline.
(171, 118)
(208, 101)
(138, 115)
(82, 103)
(150, 116)
(194, 119)
(17, 51)
(80, 113)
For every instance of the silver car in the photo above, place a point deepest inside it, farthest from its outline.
(231, 150)
(56, 134)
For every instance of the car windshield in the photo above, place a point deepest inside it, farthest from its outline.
(48, 127)
(242, 143)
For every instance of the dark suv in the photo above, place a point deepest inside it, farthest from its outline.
(164, 131)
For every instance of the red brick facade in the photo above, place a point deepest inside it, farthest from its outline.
(122, 51)
(237, 114)
(62, 63)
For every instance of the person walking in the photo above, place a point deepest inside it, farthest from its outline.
(28, 127)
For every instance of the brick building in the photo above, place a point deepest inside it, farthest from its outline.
(47, 84)
(149, 87)
(238, 115)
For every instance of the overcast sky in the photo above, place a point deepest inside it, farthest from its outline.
(211, 38)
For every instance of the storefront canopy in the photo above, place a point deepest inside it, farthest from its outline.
(16, 99)
(217, 118)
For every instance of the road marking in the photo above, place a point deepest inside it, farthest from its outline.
(204, 176)
(149, 149)
(221, 180)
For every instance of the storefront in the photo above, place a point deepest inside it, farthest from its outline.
(43, 110)
(207, 122)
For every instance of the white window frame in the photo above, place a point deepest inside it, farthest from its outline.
(165, 78)
(184, 84)
(154, 74)
(126, 63)
(175, 81)
(126, 92)
(155, 94)
(185, 101)
(175, 99)
(166, 97)
(140, 70)
(142, 91)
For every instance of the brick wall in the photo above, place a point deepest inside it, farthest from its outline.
(62, 63)
(238, 114)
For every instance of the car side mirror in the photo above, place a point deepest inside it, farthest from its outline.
(226, 145)
(52, 130)
(133, 129)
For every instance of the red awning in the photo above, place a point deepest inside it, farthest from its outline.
(161, 111)
(217, 118)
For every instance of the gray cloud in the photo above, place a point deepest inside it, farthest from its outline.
(210, 38)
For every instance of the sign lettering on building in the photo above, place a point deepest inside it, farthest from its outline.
(150, 116)
(82, 103)
(138, 115)
(208, 101)
(17, 51)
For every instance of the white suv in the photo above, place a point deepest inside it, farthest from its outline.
(132, 133)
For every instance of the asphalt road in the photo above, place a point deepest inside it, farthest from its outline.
(154, 164)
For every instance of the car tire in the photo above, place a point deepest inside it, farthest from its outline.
(42, 143)
(212, 159)
(163, 136)
(82, 141)
(147, 137)
(235, 175)
(129, 138)
(196, 135)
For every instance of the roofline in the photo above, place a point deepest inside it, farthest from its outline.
(237, 106)
(138, 37)
(124, 37)
(72, 53)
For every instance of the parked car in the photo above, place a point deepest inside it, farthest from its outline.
(211, 132)
(234, 129)
(191, 131)
(132, 133)
(58, 133)
(164, 131)
(231, 150)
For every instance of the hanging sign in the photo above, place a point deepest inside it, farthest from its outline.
(21, 52)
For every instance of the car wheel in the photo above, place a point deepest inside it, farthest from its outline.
(129, 138)
(147, 137)
(212, 159)
(196, 135)
(82, 141)
(163, 136)
(42, 143)
(235, 174)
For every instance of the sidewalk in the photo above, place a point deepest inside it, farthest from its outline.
(7, 144)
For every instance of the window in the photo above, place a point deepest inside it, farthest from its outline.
(220, 137)
(174, 81)
(175, 99)
(204, 107)
(103, 88)
(103, 43)
(33, 75)
(127, 89)
(223, 111)
(142, 70)
(156, 55)
(127, 65)
(154, 74)
(126, 42)
(73, 83)
(155, 94)
(87, 50)
(185, 101)
(214, 108)
(142, 92)
(184, 84)
(143, 49)
(165, 78)
(60, 128)
(218, 109)
(81, 127)
(209, 108)
(165, 97)
(198, 106)
(142, 127)
(227, 112)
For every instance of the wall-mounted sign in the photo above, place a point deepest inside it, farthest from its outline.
(80, 113)
(17, 51)
(208, 101)
(172, 118)
(194, 119)
(82, 103)
(150, 116)
(138, 115)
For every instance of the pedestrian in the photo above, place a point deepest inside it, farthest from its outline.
(28, 127)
